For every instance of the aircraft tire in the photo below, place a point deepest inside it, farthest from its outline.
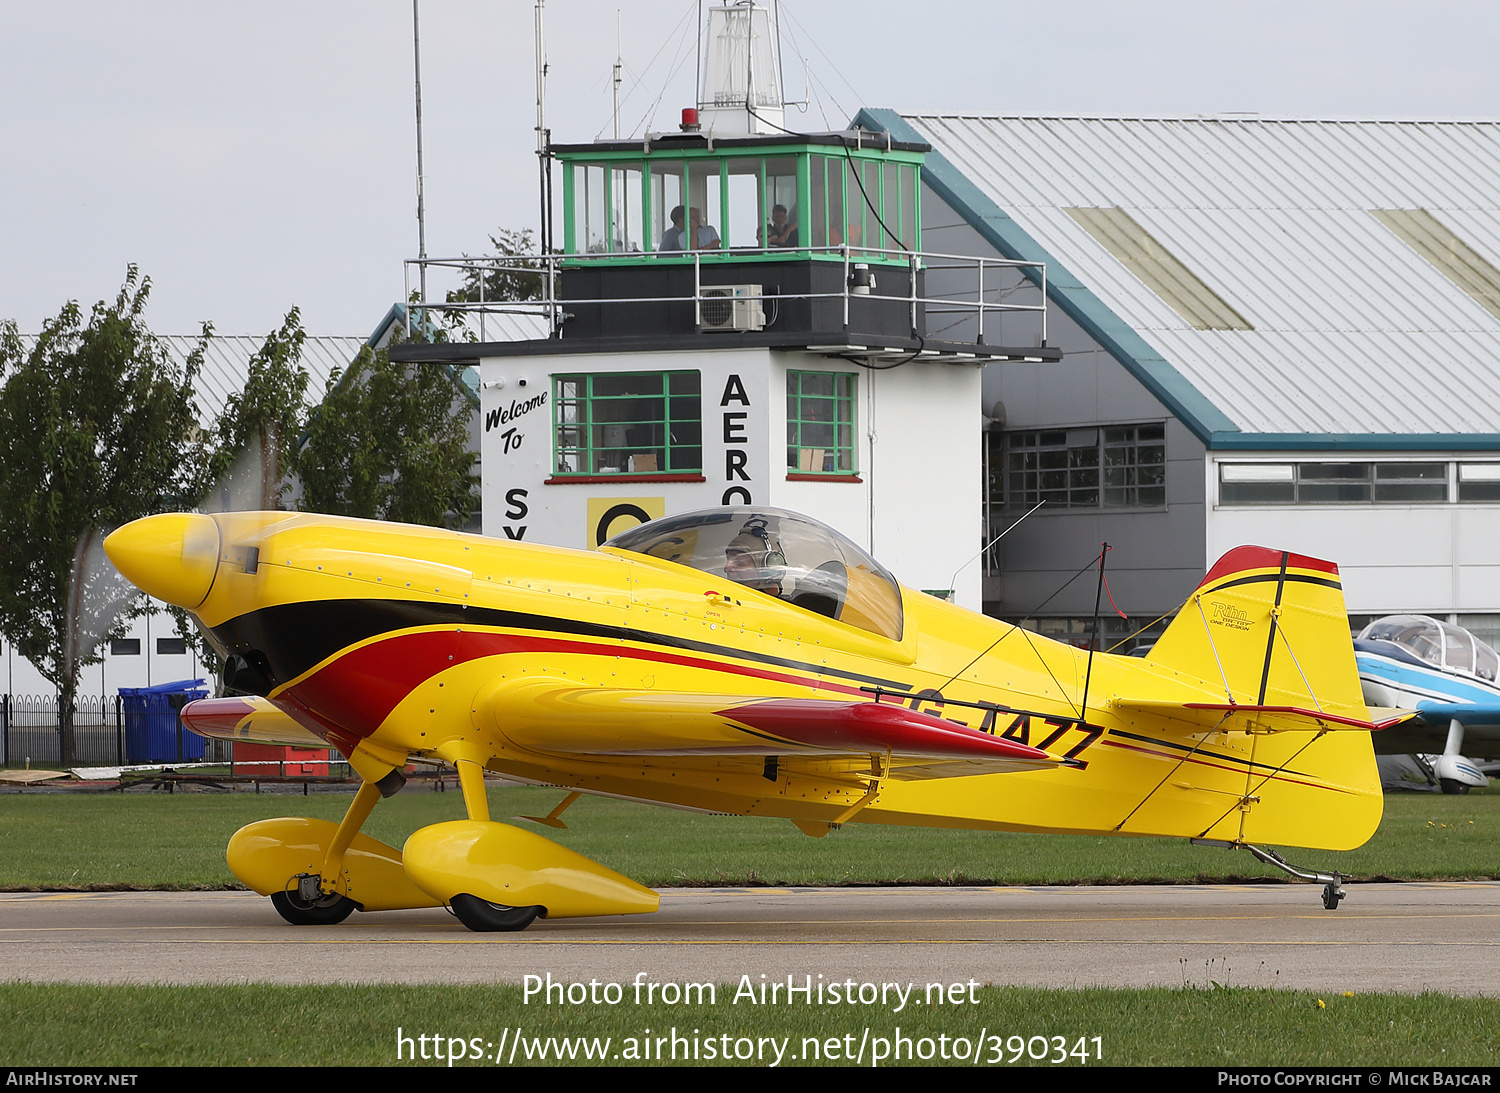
(484, 917)
(326, 912)
(1453, 785)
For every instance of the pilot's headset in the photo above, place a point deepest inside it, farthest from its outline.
(756, 540)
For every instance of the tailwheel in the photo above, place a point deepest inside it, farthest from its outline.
(1332, 894)
(481, 916)
(324, 911)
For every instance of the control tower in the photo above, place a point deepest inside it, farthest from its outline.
(742, 314)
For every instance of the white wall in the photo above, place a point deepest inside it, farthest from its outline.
(1430, 558)
(916, 506)
(141, 670)
(518, 501)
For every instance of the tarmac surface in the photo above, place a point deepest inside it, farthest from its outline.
(1386, 937)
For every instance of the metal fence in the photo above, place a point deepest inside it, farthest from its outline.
(31, 734)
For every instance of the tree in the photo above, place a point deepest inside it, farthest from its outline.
(258, 428)
(98, 428)
(522, 279)
(388, 444)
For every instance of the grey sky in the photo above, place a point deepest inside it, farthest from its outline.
(253, 157)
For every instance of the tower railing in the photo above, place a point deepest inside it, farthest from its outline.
(946, 294)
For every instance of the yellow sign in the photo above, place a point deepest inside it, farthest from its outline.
(611, 516)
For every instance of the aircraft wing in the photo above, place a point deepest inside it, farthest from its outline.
(1427, 731)
(596, 721)
(1471, 715)
(250, 719)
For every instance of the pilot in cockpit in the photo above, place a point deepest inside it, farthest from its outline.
(754, 558)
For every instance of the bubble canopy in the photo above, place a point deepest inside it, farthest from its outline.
(782, 554)
(1440, 644)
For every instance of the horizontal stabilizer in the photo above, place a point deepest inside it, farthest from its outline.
(565, 719)
(250, 719)
(1224, 716)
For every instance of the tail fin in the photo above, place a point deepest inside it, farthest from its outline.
(1278, 746)
(1270, 627)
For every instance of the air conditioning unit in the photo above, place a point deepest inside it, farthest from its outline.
(732, 307)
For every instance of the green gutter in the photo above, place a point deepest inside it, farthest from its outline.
(1354, 442)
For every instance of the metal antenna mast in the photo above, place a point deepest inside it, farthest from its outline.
(416, 42)
(618, 65)
(543, 137)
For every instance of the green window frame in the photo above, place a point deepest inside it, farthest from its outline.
(627, 423)
(820, 420)
(617, 205)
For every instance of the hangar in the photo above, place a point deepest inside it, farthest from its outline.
(1283, 332)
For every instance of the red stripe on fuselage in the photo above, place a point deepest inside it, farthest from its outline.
(358, 689)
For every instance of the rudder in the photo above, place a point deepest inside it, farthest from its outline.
(1271, 628)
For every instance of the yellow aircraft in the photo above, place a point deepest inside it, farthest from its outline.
(739, 660)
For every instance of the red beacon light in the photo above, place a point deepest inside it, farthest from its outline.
(690, 119)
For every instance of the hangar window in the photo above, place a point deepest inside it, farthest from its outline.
(627, 423)
(1411, 482)
(1135, 465)
(125, 647)
(1332, 483)
(820, 423)
(1113, 466)
(1479, 481)
(1257, 483)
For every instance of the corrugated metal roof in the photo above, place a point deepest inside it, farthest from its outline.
(226, 361)
(1354, 331)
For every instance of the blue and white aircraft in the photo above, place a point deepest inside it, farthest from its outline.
(1448, 676)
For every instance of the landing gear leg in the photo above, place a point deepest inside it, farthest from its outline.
(1333, 883)
(354, 819)
(471, 781)
(314, 899)
(477, 914)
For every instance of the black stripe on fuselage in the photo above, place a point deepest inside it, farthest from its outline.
(1184, 748)
(295, 637)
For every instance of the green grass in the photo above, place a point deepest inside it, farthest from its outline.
(155, 840)
(244, 1024)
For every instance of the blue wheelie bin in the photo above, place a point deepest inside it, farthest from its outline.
(153, 729)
